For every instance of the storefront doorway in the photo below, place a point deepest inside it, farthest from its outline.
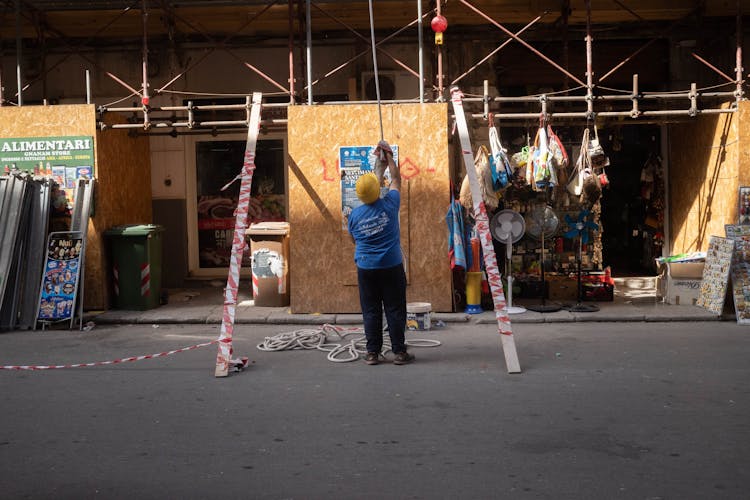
(211, 221)
(633, 205)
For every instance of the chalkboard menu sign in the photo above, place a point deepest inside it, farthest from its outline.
(716, 274)
(62, 267)
(740, 271)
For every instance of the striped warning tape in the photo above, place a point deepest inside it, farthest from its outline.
(236, 363)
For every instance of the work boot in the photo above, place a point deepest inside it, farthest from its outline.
(372, 358)
(403, 358)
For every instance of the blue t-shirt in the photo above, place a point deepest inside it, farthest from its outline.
(376, 232)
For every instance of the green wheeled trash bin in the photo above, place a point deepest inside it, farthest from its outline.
(136, 252)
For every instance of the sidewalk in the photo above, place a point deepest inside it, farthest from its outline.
(205, 306)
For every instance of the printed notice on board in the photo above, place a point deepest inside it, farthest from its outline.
(62, 268)
(740, 272)
(355, 161)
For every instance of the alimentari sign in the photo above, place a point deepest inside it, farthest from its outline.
(66, 157)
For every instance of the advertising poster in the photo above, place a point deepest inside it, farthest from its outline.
(354, 161)
(716, 274)
(740, 271)
(60, 279)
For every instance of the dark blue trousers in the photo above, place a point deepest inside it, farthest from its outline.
(383, 289)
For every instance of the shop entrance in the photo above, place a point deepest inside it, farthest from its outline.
(633, 205)
(211, 211)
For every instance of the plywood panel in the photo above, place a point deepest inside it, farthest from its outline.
(703, 179)
(743, 155)
(123, 189)
(123, 196)
(323, 274)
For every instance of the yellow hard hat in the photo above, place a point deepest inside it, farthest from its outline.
(368, 188)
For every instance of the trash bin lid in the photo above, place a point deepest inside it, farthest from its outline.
(272, 228)
(134, 230)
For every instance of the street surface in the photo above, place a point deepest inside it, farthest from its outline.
(601, 411)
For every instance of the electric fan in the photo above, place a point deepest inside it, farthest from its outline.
(507, 226)
(541, 223)
(580, 229)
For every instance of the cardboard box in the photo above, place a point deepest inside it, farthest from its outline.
(683, 282)
(562, 289)
(269, 249)
(682, 291)
(689, 270)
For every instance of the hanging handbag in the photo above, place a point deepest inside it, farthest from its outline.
(542, 176)
(501, 170)
(591, 188)
(484, 177)
(575, 184)
(596, 152)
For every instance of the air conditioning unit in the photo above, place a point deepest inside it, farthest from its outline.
(394, 85)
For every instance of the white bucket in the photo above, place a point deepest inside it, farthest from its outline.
(418, 315)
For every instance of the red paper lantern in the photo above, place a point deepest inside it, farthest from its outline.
(439, 24)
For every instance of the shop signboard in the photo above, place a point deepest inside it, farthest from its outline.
(355, 161)
(64, 158)
(62, 268)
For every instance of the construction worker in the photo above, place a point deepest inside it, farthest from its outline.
(374, 227)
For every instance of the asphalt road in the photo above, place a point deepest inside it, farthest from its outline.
(600, 411)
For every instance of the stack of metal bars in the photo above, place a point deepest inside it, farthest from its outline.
(24, 212)
(84, 194)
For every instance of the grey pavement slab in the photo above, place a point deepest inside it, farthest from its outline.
(205, 306)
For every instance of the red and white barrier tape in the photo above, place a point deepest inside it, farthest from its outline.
(223, 356)
(238, 363)
(483, 229)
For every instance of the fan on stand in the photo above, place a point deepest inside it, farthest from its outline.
(541, 223)
(580, 228)
(508, 226)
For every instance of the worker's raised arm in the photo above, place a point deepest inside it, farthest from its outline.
(385, 158)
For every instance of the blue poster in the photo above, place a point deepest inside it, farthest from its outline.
(354, 161)
(60, 279)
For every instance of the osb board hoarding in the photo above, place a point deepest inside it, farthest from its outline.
(322, 270)
(123, 196)
(122, 192)
(704, 168)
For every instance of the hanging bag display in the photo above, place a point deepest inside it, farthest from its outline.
(596, 152)
(576, 176)
(558, 156)
(484, 175)
(501, 169)
(539, 155)
(591, 189)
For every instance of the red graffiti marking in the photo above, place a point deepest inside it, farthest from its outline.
(408, 169)
(326, 174)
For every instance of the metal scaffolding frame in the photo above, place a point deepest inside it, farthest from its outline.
(687, 103)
